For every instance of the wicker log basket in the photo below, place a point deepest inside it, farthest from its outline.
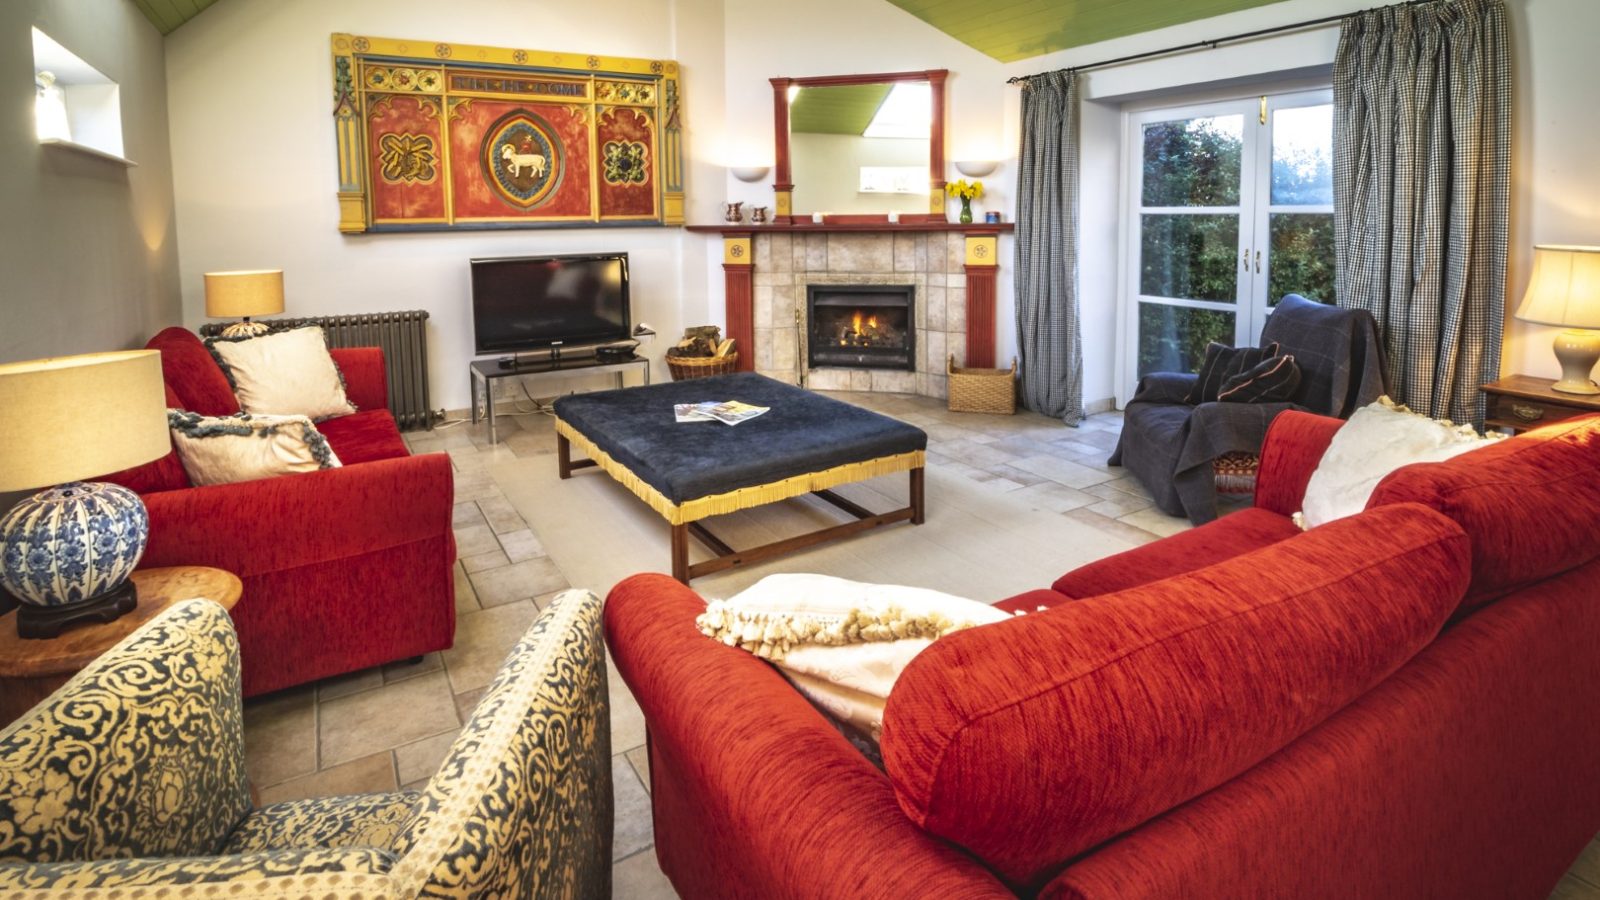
(684, 368)
(983, 390)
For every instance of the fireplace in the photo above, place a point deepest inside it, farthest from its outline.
(863, 326)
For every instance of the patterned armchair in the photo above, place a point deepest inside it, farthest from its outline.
(130, 779)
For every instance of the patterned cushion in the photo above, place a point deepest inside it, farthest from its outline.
(521, 806)
(1269, 381)
(246, 447)
(360, 820)
(1224, 362)
(140, 754)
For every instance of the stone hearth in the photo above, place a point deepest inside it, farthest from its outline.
(932, 262)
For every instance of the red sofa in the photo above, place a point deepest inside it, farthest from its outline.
(1392, 705)
(344, 568)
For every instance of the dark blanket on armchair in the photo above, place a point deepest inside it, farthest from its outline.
(1169, 445)
(804, 432)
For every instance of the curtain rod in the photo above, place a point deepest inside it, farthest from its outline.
(1214, 44)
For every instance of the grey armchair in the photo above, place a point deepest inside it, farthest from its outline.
(129, 782)
(1169, 444)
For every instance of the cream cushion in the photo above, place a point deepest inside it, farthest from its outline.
(245, 447)
(1378, 439)
(286, 373)
(841, 643)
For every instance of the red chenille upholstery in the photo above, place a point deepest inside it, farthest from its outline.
(343, 569)
(1529, 503)
(1242, 532)
(192, 373)
(1294, 445)
(1032, 601)
(164, 474)
(1028, 758)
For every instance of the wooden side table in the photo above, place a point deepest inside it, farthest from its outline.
(31, 670)
(1522, 402)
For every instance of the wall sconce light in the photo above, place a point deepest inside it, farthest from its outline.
(976, 168)
(750, 173)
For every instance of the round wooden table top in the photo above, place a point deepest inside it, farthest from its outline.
(77, 646)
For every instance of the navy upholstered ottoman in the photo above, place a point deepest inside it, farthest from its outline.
(688, 471)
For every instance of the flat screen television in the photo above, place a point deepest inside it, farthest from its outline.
(536, 302)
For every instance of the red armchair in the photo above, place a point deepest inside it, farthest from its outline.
(344, 568)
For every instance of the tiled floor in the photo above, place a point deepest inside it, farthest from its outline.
(390, 727)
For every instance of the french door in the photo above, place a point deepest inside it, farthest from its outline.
(1229, 208)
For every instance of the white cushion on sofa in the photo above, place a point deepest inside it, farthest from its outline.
(285, 373)
(1378, 439)
(245, 447)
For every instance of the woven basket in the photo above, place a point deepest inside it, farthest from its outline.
(983, 390)
(684, 368)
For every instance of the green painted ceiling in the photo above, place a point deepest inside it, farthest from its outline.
(167, 15)
(1009, 30)
(836, 109)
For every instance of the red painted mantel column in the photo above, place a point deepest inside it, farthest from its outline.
(738, 273)
(982, 265)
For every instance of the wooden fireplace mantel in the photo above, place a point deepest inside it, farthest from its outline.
(982, 263)
(797, 227)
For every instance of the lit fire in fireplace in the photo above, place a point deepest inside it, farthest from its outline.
(864, 331)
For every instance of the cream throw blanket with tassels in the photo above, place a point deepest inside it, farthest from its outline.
(842, 643)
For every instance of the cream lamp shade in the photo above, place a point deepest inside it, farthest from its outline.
(244, 294)
(1565, 287)
(75, 417)
(1565, 290)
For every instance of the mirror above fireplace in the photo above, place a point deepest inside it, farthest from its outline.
(860, 145)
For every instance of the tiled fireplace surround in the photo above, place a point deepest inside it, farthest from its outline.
(768, 270)
(786, 263)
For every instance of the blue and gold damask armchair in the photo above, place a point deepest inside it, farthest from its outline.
(130, 779)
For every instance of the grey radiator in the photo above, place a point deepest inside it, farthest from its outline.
(404, 339)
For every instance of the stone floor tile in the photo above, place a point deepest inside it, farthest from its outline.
(1588, 865)
(466, 702)
(1156, 522)
(1063, 471)
(518, 581)
(349, 683)
(466, 515)
(639, 758)
(1115, 527)
(474, 540)
(400, 671)
(1117, 507)
(639, 877)
(466, 598)
(384, 718)
(521, 545)
(483, 639)
(501, 515)
(367, 774)
(280, 736)
(1020, 476)
(627, 720)
(631, 830)
(1570, 887)
(492, 560)
(419, 760)
(1054, 497)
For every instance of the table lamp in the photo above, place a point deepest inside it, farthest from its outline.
(1565, 291)
(244, 294)
(67, 551)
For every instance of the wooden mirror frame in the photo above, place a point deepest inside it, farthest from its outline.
(783, 183)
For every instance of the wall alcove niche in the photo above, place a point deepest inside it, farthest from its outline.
(77, 108)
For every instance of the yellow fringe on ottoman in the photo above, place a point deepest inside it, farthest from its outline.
(742, 498)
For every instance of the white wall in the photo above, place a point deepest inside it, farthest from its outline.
(88, 249)
(253, 147)
(1555, 196)
(827, 172)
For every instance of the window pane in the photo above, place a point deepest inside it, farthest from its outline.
(1174, 338)
(1302, 256)
(1189, 257)
(1302, 156)
(1193, 162)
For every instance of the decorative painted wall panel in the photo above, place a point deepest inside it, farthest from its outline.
(480, 137)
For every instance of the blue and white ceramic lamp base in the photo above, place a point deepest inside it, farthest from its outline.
(66, 554)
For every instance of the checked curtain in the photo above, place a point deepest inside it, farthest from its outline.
(1421, 180)
(1048, 342)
